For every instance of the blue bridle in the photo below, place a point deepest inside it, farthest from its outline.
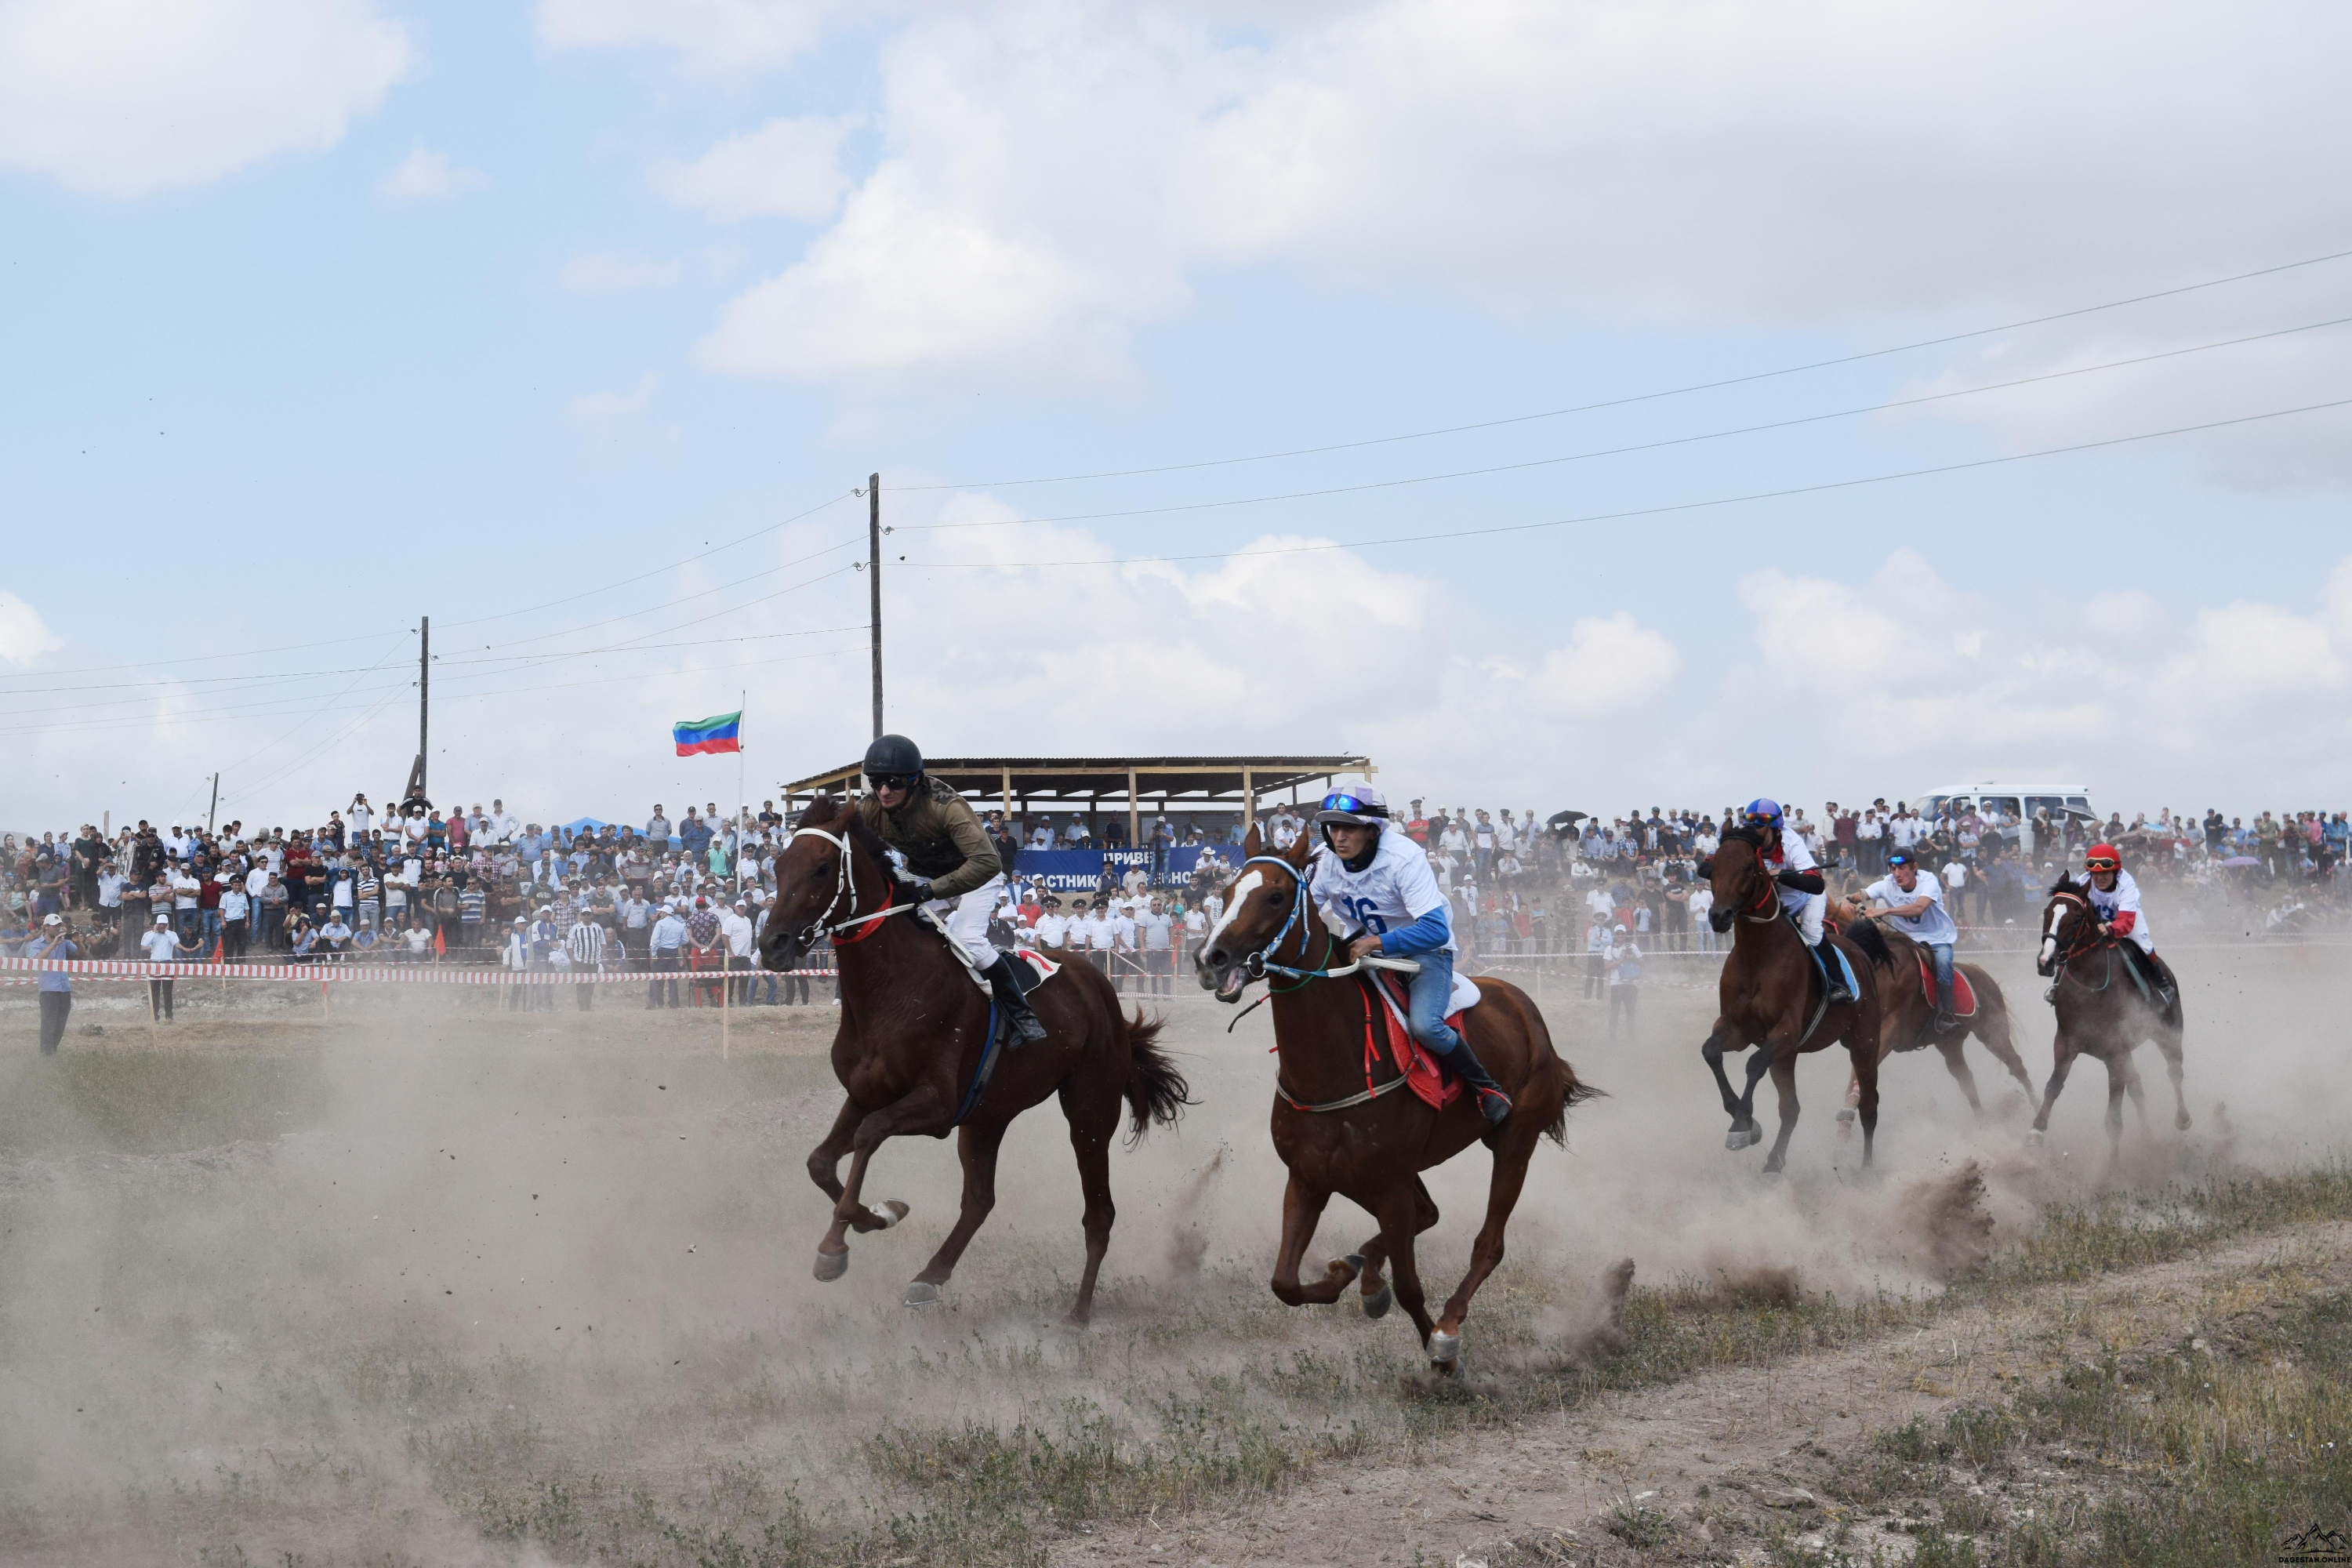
(1256, 965)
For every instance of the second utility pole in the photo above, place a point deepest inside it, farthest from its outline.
(874, 584)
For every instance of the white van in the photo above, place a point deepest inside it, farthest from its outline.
(2013, 804)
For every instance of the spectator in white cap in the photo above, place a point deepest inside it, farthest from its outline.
(55, 986)
(667, 940)
(162, 945)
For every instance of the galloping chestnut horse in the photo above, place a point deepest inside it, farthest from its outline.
(1906, 1007)
(2101, 1012)
(1337, 1124)
(914, 1036)
(1770, 995)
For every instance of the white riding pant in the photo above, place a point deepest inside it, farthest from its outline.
(1807, 910)
(966, 918)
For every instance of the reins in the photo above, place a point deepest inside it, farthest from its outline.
(845, 883)
(1258, 965)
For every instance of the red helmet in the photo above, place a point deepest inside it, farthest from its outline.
(2101, 857)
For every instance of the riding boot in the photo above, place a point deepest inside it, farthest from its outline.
(1493, 1104)
(1835, 993)
(1004, 980)
(1944, 1017)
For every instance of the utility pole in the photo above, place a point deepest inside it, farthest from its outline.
(423, 703)
(214, 809)
(874, 584)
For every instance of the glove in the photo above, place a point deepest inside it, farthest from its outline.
(915, 889)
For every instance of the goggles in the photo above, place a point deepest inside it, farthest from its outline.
(1899, 858)
(2103, 863)
(1340, 800)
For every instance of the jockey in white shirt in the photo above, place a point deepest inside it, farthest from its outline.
(1804, 892)
(1376, 885)
(1914, 905)
(2115, 899)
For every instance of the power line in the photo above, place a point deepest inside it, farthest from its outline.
(1636, 446)
(1648, 511)
(1649, 396)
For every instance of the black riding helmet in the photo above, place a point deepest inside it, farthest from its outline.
(893, 757)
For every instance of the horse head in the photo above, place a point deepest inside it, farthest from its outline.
(2064, 920)
(821, 879)
(1735, 872)
(1261, 914)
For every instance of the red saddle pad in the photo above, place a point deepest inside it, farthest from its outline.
(1422, 1075)
(1964, 995)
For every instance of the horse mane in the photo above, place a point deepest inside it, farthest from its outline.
(843, 815)
(1871, 937)
(2066, 884)
(1752, 837)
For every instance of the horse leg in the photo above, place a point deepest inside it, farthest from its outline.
(1955, 1055)
(2138, 1092)
(2062, 1061)
(1398, 1212)
(1784, 1078)
(1517, 1147)
(2167, 1041)
(1302, 1210)
(1378, 1297)
(1091, 1138)
(977, 1148)
(1743, 1122)
(2118, 1071)
(823, 1167)
(921, 1110)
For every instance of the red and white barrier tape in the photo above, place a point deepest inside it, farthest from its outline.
(331, 972)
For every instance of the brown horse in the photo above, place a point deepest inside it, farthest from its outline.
(1337, 1124)
(1906, 1007)
(1770, 995)
(914, 1049)
(2101, 1012)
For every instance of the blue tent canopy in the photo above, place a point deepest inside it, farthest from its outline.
(586, 825)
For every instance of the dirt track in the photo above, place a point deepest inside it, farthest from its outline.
(498, 1277)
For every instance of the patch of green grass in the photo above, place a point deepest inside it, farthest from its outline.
(2078, 1242)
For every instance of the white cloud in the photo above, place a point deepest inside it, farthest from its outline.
(425, 175)
(24, 635)
(1865, 686)
(786, 168)
(602, 273)
(1690, 161)
(606, 408)
(1608, 667)
(122, 99)
(717, 35)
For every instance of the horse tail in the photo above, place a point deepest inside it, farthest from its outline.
(1155, 1091)
(1865, 934)
(1574, 1091)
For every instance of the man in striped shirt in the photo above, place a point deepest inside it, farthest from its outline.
(586, 942)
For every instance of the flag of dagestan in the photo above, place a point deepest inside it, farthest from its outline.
(720, 732)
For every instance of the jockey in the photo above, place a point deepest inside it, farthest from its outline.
(2115, 899)
(1915, 907)
(1803, 894)
(1378, 884)
(953, 866)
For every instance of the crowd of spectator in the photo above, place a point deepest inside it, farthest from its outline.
(683, 899)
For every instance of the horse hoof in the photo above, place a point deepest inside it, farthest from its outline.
(1353, 1264)
(1444, 1349)
(1377, 1304)
(1846, 1113)
(892, 1211)
(1741, 1138)
(831, 1265)
(921, 1294)
(1771, 1172)
(2180, 1123)
(2035, 1137)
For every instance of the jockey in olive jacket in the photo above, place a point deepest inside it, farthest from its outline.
(953, 866)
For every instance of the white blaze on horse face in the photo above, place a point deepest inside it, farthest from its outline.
(1250, 883)
(2049, 932)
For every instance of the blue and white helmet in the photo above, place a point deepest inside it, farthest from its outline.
(1764, 810)
(1359, 806)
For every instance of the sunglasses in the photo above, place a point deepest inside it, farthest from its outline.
(894, 781)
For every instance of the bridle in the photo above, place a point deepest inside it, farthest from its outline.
(2086, 934)
(1258, 963)
(1766, 907)
(844, 885)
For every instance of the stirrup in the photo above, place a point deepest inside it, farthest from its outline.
(1494, 1105)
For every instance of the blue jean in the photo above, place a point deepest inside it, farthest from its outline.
(1424, 1010)
(211, 929)
(1943, 952)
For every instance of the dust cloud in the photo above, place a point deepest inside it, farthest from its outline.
(403, 1283)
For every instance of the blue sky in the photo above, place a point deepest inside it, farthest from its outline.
(324, 315)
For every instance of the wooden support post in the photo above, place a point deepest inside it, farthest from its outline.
(1007, 782)
(1249, 802)
(726, 985)
(1134, 820)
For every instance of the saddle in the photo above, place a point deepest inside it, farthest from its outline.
(1384, 1028)
(1964, 995)
(1041, 967)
